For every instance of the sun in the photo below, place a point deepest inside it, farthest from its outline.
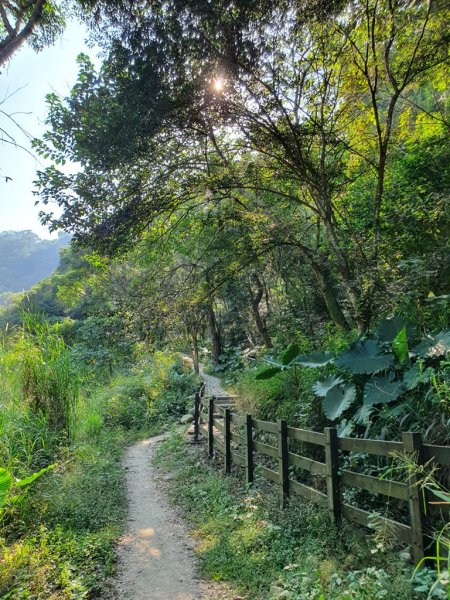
(218, 84)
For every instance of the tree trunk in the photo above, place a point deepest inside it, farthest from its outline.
(216, 349)
(15, 40)
(329, 296)
(194, 354)
(259, 321)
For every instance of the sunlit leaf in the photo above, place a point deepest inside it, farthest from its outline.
(6, 482)
(434, 345)
(400, 346)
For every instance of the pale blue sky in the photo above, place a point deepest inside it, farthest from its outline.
(27, 79)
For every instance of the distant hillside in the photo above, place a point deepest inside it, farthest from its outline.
(26, 259)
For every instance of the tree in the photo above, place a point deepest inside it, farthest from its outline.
(277, 112)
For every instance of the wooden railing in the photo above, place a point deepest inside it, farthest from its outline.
(233, 436)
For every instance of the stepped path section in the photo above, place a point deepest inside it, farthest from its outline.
(213, 384)
(156, 555)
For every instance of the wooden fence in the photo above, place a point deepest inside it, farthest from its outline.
(233, 436)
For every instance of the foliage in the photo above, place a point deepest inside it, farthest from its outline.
(245, 539)
(8, 483)
(374, 371)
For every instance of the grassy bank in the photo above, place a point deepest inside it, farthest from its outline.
(57, 536)
(245, 539)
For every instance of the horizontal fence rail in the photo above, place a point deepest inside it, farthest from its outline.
(274, 461)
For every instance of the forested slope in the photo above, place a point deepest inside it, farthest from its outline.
(25, 259)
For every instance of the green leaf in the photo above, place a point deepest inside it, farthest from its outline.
(6, 482)
(323, 386)
(413, 376)
(380, 390)
(365, 357)
(388, 329)
(268, 373)
(337, 400)
(315, 359)
(400, 346)
(434, 345)
(289, 354)
(445, 496)
(27, 480)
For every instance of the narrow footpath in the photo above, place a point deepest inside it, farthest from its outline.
(156, 555)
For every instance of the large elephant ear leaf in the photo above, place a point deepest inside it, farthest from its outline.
(6, 482)
(315, 359)
(364, 358)
(380, 390)
(338, 399)
(388, 329)
(268, 373)
(323, 386)
(415, 375)
(289, 354)
(434, 345)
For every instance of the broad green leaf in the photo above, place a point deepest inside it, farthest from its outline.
(269, 373)
(388, 329)
(365, 357)
(289, 354)
(6, 482)
(27, 480)
(323, 386)
(380, 390)
(338, 400)
(315, 359)
(415, 375)
(400, 346)
(434, 345)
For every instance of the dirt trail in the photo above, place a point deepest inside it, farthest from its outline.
(155, 556)
(213, 384)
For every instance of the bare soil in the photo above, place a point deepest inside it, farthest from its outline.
(156, 558)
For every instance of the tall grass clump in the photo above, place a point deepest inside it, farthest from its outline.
(49, 382)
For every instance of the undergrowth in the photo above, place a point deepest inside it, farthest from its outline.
(57, 539)
(244, 538)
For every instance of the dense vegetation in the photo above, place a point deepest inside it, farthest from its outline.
(264, 185)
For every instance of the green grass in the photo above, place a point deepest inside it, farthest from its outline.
(57, 541)
(246, 540)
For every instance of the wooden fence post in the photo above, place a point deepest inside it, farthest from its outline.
(283, 464)
(412, 442)
(211, 427)
(249, 449)
(196, 416)
(332, 466)
(227, 431)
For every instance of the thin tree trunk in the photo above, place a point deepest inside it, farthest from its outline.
(216, 349)
(329, 296)
(259, 321)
